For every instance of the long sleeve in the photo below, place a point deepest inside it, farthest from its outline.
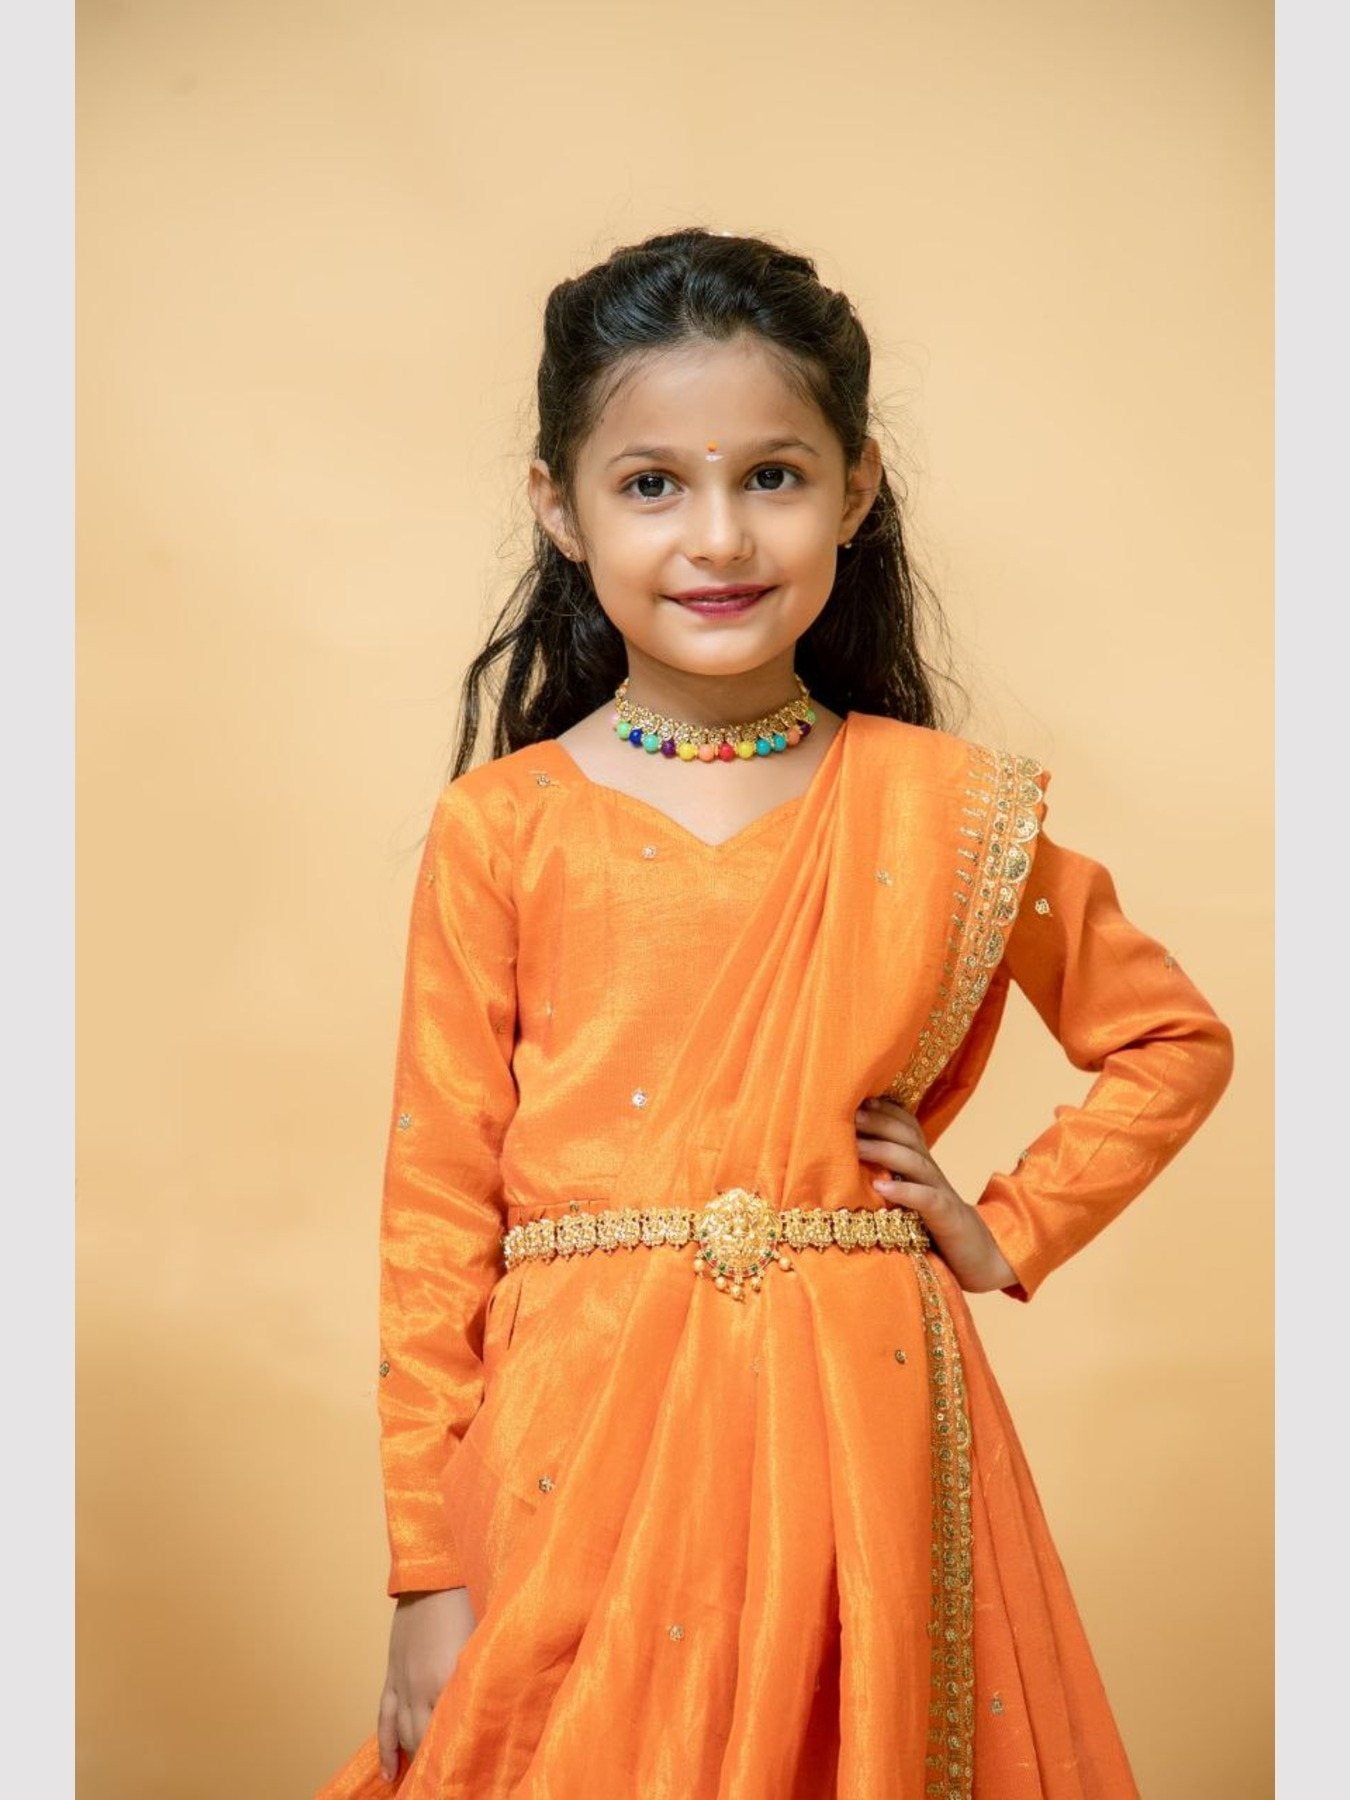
(442, 1212)
(1121, 1007)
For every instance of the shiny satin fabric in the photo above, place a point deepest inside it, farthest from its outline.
(788, 1548)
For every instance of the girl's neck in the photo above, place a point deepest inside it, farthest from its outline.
(710, 699)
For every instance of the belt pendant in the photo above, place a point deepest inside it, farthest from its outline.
(737, 1233)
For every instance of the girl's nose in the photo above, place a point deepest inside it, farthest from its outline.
(718, 533)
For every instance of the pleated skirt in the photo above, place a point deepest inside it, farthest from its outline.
(787, 1548)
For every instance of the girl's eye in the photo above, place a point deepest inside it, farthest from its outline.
(645, 494)
(778, 469)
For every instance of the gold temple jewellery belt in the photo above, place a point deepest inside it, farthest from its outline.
(739, 1234)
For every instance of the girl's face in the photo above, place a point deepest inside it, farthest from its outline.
(706, 469)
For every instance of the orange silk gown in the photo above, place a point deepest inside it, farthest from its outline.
(786, 1548)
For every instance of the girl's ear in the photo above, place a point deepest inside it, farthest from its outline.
(860, 489)
(548, 509)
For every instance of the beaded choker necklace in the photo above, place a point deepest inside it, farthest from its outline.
(713, 743)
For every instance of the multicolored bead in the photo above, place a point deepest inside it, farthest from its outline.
(651, 731)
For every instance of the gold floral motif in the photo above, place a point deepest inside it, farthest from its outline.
(664, 1225)
(576, 1232)
(951, 1733)
(1009, 805)
(619, 1228)
(901, 1228)
(808, 1225)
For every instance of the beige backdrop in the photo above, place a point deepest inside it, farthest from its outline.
(314, 241)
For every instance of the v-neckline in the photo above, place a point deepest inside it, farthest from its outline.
(648, 809)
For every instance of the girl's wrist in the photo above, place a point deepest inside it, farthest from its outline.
(1001, 1273)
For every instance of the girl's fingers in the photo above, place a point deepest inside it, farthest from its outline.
(904, 1159)
(402, 1726)
(918, 1197)
(386, 1733)
(891, 1122)
(407, 1737)
(917, 1181)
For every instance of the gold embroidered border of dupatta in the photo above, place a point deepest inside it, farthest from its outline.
(992, 867)
(950, 1760)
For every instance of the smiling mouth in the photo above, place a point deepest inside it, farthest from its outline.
(725, 601)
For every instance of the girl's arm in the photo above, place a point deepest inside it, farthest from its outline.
(441, 1215)
(1122, 1008)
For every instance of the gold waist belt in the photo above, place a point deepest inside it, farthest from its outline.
(739, 1234)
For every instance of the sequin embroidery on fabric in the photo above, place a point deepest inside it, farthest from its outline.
(950, 1761)
(993, 862)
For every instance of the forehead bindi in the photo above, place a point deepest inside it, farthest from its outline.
(675, 405)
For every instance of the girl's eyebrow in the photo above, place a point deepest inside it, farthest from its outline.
(664, 453)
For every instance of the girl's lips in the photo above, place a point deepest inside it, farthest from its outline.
(736, 603)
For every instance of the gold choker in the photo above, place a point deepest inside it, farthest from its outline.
(775, 732)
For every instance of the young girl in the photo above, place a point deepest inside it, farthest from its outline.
(698, 1483)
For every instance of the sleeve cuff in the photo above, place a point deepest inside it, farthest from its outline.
(1014, 1243)
(423, 1576)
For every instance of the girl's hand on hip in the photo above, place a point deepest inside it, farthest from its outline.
(427, 1635)
(892, 1137)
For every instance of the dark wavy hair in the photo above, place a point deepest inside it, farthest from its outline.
(563, 656)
